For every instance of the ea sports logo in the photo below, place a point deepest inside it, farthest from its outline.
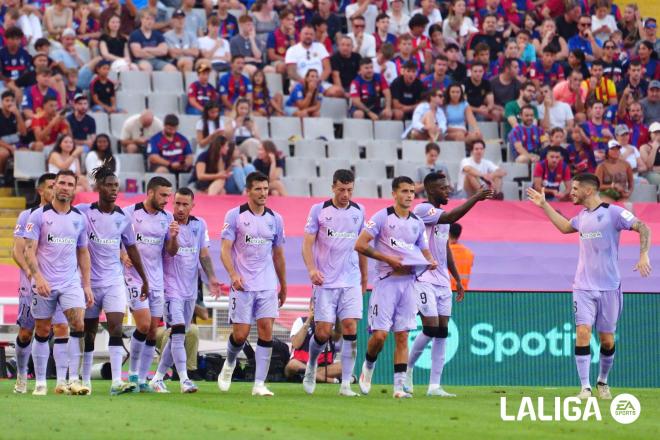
(625, 408)
(451, 346)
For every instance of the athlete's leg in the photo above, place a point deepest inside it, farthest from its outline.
(400, 359)
(75, 317)
(91, 328)
(142, 318)
(115, 344)
(264, 349)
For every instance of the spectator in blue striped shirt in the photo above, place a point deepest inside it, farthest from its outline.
(526, 140)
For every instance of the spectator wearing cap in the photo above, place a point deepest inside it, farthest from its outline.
(245, 45)
(629, 152)
(649, 33)
(57, 17)
(651, 104)
(35, 95)
(363, 43)
(281, 39)
(631, 114)
(102, 90)
(14, 59)
(182, 44)
(137, 130)
(148, 47)
(398, 18)
(615, 175)
(67, 57)
(406, 92)
(201, 91)
(234, 84)
(365, 8)
(650, 155)
(169, 151)
(213, 47)
(550, 173)
(12, 127)
(127, 13)
(633, 82)
(83, 126)
(368, 91)
(345, 64)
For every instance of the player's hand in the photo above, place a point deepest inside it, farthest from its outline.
(281, 296)
(433, 265)
(460, 292)
(144, 292)
(643, 266)
(484, 193)
(395, 262)
(538, 198)
(41, 286)
(174, 229)
(316, 277)
(236, 282)
(89, 296)
(215, 287)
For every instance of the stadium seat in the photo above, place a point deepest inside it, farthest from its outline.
(117, 122)
(169, 176)
(262, 126)
(644, 193)
(163, 103)
(114, 143)
(282, 127)
(167, 82)
(388, 130)
(131, 163)
(415, 150)
(493, 151)
(309, 148)
(370, 169)
(282, 145)
(510, 190)
(83, 53)
(383, 150)
(28, 165)
(300, 167)
(515, 171)
(274, 83)
(327, 167)
(365, 188)
(321, 186)
(453, 169)
(385, 186)
(335, 109)
(452, 151)
(187, 126)
(489, 130)
(136, 81)
(407, 168)
(102, 122)
(131, 102)
(124, 177)
(183, 179)
(361, 130)
(341, 148)
(201, 13)
(296, 186)
(314, 128)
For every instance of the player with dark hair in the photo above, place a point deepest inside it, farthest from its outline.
(338, 275)
(181, 279)
(597, 294)
(433, 287)
(402, 252)
(108, 227)
(155, 230)
(253, 256)
(25, 321)
(58, 261)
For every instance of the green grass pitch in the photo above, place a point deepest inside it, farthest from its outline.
(291, 414)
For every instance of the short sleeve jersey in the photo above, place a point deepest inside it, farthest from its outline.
(438, 235)
(181, 270)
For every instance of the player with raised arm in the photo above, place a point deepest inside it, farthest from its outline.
(253, 255)
(181, 277)
(155, 230)
(55, 248)
(25, 321)
(402, 251)
(108, 227)
(433, 287)
(338, 274)
(597, 294)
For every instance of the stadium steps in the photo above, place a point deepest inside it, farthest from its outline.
(10, 207)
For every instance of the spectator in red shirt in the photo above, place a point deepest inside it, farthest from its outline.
(550, 173)
(281, 39)
(49, 124)
(201, 91)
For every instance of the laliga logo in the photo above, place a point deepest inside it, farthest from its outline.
(451, 346)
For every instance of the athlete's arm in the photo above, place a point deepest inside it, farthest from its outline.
(225, 257)
(451, 265)
(455, 214)
(135, 259)
(364, 272)
(363, 247)
(560, 222)
(207, 266)
(644, 264)
(280, 269)
(429, 257)
(18, 255)
(85, 265)
(172, 245)
(315, 275)
(30, 254)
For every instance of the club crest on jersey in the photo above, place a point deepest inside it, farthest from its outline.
(355, 220)
(17, 229)
(432, 211)
(271, 227)
(599, 217)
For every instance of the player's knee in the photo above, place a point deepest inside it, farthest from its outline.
(178, 330)
(60, 330)
(42, 330)
(442, 332)
(429, 331)
(24, 336)
(237, 339)
(379, 337)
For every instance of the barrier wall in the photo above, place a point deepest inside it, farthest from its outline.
(527, 339)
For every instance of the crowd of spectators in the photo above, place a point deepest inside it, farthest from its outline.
(575, 83)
